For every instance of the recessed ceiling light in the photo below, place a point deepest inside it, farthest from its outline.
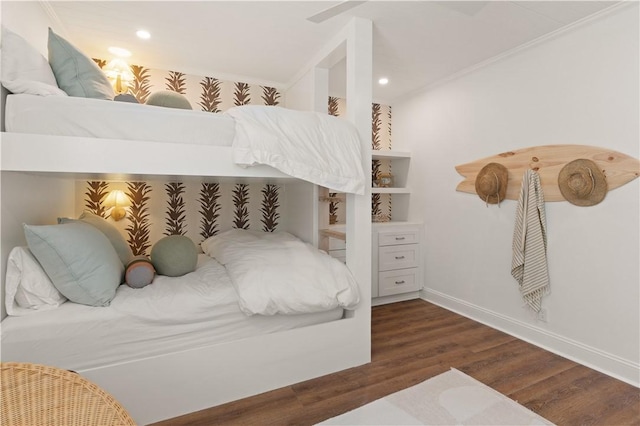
(383, 81)
(143, 34)
(119, 51)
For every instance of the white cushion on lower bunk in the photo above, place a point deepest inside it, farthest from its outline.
(28, 288)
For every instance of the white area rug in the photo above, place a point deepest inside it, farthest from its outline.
(451, 398)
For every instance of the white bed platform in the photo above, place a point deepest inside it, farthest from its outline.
(38, 173)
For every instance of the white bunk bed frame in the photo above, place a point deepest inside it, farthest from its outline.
(38, 177)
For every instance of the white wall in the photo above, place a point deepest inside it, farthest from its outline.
(579, 87)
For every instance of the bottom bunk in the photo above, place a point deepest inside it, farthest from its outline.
(184, 344)
(173, 314)
(181, 344)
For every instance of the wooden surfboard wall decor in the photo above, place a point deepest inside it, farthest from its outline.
(548, 160)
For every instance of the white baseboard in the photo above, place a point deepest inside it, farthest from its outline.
(609, 364)
(376, 301)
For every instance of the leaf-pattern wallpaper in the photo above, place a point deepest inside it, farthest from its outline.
(209, 209)
(210, 97)
(141, 86)
(380, 140)
(176, 82)
(195, 209)
(269, 208)
(95, 195)
(242, 95)
(175, 213)
(139, 227)
(241, 206)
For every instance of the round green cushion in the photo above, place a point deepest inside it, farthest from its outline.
(174, 256)
(169, 99)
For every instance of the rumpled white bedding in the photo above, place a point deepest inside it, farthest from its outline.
(171, 314)
(318, 148)
(276, 273)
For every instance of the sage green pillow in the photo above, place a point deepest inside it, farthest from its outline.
(77, 74)
(111, 232)
(80, 261)
(169, 99)
(174, 256)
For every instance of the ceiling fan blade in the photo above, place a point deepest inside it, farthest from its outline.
(334, 10)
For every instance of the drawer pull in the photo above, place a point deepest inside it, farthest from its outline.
(400, 282)
(399, 238)
(399, 257)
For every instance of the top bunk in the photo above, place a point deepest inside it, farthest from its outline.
(62, 116)
(107, 139)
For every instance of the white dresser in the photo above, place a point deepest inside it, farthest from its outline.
(396, 261)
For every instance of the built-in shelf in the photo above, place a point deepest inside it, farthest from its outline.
(332, 233)
(398, 164)
(336, 199)
(377, 154)
(390, 191)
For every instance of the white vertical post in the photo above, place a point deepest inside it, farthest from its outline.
(359, 99)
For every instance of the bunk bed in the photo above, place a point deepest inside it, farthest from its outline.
(158, 385)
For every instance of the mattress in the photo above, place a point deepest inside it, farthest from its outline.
(172, 314)
(73, 116)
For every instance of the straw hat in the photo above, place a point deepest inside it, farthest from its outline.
(582, 183)
(491, 183)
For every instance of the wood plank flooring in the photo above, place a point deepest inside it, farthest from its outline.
(415, 340)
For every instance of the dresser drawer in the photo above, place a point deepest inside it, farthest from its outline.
(398, 257)
(396, 282)
(392, 238)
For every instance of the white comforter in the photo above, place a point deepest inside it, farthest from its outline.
(318, 148)
(276, 273)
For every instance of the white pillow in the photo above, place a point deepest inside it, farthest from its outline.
(28, 288)
(21, 61)
(214, 245)
(31, 87)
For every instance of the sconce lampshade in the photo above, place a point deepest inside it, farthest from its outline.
(120, 75)
(118, 200)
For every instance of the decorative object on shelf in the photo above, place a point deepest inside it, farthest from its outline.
(491, 183)
(582, 183)
(380, 217)
(384, 180)
(118, 200)
(548, 160)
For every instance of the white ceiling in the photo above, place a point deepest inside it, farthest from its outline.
(416, 43)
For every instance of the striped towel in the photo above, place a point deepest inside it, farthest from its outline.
(529, 263)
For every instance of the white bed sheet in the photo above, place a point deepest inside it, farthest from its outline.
(73, 116)
(170, 315)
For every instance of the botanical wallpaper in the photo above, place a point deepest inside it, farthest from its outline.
(380, 140)
(202, 209)
(195, 209)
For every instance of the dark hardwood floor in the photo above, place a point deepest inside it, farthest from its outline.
(415, 340)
